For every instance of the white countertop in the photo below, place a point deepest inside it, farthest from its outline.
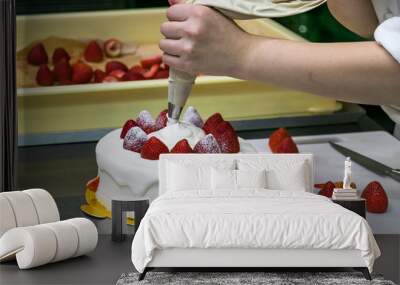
(329, 164)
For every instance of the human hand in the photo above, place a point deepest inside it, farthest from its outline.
(199, 39)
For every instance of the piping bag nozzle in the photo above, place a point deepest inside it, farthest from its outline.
(179, 87)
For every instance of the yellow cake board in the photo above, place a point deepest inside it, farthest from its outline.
(108, 105)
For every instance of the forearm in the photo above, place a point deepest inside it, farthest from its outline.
(355, 72)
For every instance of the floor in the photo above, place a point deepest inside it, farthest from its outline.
(64, 170)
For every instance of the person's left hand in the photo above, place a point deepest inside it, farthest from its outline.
(199, 39)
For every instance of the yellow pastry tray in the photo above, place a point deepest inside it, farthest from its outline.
(59, 109)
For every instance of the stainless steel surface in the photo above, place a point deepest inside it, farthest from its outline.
(370, 164)
(174, 112)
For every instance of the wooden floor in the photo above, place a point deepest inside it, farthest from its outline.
(63, 170)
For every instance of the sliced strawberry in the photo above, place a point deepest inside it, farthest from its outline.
(81, 73)
(44, 76)
(99, 75)
(115, 65)
(161, 120)
(137, 69)
(182, 146)
(63, 72)
(327, 189)
(226, 137)
(112, 48)
(193, 117)
(119, 74)
(37, 55)
(212, 122)
(150, 61)
(130, 76)
(149, 74)
(287, 146)
(153, 148)
(377, 200)
(93, 52)
(208, 144)
(60, 54)
(145, 121)
(135, 139)
(127, 126)
(276, 138)
(93, 184)
(161, 74)
(110, 79)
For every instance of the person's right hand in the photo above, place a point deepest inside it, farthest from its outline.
(199, 39)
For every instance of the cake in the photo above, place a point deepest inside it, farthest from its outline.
(127, 158)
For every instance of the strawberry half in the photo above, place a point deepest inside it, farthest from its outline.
(99, 75)
(130, 76)
(208, 144)
(112, 48)
(127, 126)
(60, 54)
(93, 52)
(226, 137)
(161, 74)
(327, 189)
(377, 200)
(212, 122)
(81, 73)
(110, 79)
(193, 117)
(150, 61)
(115, 65)
(119, 74)
(135, 139)
(153, 148)
(161, 120)
(149, 74)
(287, 146)
(37, 55)
(63, 72)
(146, 121)
(44, 76)
(276, 138)
(182, 146)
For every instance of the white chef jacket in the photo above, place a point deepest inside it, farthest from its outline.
(388, 35)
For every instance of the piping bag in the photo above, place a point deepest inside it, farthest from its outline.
(181, 83)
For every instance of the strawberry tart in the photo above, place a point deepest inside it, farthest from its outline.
(127, 158)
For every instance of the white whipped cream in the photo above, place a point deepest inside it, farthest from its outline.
(173, 133)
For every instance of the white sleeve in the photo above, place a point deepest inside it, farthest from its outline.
(388, 35)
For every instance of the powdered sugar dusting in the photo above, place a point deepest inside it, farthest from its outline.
(135, 139)
(193, 117)
(145, 120)
(207, 144)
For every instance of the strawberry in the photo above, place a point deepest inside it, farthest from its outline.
(60, 54)
(327, 189)
(191, 116)
(287, 146)
(161, 74)
(377, 200)
(137, 69)
(93, 52)
(226, 137)
(182, 146)
(149, 74)
(127, 126)
(115, 65)
(99, 75)
(63, 72)
(146, 121)
(110, 79)
(44, 76)
(212, 122)
(150, 61)
(208, 144)
(119, 74)
(81, 73)
(153, 148)
(276, 138)
(130, 76)
(135, 139)
(93, 184)
(112, 48)
(161, 120)
(37, 55)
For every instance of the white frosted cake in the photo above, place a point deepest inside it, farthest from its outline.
(127, 158)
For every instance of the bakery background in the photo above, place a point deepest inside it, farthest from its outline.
(61, 158)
